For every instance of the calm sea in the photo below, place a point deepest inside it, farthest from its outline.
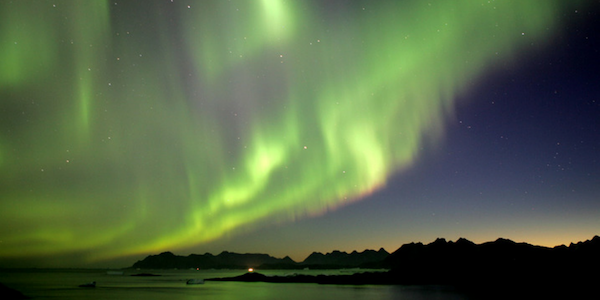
(63, 284)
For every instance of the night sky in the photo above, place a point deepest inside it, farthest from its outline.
(129, 128)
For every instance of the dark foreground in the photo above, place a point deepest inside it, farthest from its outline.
(63, 284)
(523, 285)
(10, 294)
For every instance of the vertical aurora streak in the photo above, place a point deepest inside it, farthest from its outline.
(129, 135)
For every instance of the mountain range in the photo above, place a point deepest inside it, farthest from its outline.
(449, 259)
(229, 260)
(502, 269)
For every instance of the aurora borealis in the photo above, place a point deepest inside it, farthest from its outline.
(134, 127)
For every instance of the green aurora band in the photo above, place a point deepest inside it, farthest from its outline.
(125, 135)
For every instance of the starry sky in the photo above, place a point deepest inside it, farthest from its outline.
(129, 128)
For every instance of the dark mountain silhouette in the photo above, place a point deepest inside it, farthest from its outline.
(502, 265)
(462, 262)
(228, 260)
(225, 260)
(338, 259)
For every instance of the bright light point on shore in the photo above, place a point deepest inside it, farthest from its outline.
(250, 270)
